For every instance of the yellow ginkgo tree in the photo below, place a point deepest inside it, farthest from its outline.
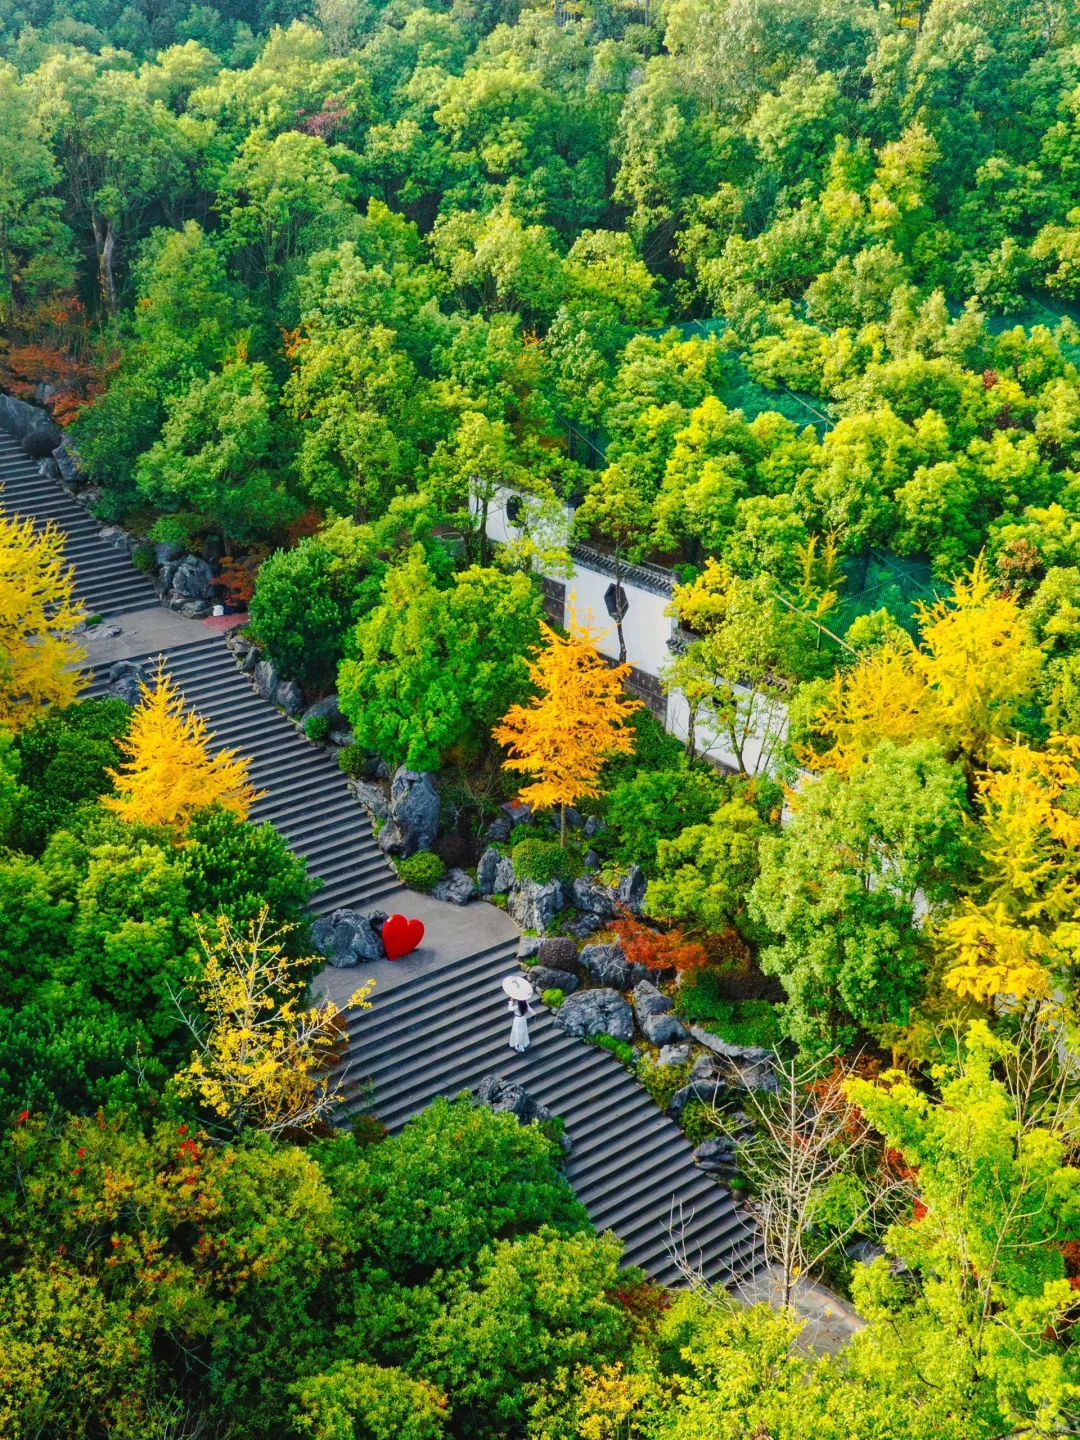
(1023, 923)
(263, 1059)
(964, 684)
(38, 612)
(169, 772)
(579, 717)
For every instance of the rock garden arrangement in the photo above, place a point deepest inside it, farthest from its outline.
(638, 1012)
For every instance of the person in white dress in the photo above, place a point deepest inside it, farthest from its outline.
(520, 993)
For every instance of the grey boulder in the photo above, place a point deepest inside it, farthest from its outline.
(630, 892)
(192, 580)
(266, 680)
(499, 830)
(167, 552)
(517, 814)
(346, 937)
(673, 1055)
(597, 899)
(67, 463)
(414, 814)
(584, 926)
(124, 681)
(327, 709)
(494, 873)
(718, 1156)
(596, 1012)
(608, 964)
(544, 978)
(372, 799)
(651, 1008)
(704, 1085)
(504, 1096)
(455, 887)
(528, 945)
(290, 697)
(507, 1097)
(535, 906)
(749, 1066)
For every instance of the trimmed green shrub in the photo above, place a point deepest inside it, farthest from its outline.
(144, 559)
(654, 749)
(739, 1022)
(544, 860)
(234, 867)
(695, 1122)
(317, 729)
(662, 1081)
(698, 998)
(552, 998)
(422, 870)
(622, 1051)
(353, 761)
(656, 805)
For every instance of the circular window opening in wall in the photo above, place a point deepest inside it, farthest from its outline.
(514, 508)
(616, 602)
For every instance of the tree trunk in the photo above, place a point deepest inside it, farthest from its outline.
(562, 827)
(105, 243)
(618, 607)
(483, 532)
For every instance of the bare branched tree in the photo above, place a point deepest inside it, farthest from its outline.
(816, 1169)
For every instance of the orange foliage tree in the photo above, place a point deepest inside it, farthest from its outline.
(38, 612)
(658, 951)
(579, 718)
(169, 772)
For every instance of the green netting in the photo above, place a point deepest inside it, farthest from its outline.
(877, 580)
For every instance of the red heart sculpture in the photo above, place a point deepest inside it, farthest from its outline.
(400, 936)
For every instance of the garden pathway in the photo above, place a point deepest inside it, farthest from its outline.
(105, 579)
(438, 1022)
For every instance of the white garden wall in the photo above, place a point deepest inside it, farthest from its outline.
(647, 628)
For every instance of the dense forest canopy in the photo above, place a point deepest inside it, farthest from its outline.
(386, 249)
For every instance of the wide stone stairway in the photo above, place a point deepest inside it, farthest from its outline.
(306, 796)
(439, 1031)
(105, 579)
(442, 1032)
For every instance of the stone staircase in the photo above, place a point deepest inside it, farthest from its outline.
(105, 579)
(306, 798)
(443, 1031)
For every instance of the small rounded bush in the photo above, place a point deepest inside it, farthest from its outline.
(353, 760)
(317, 728)
(559, 953)
(552, 998)
(422, 870)
(541, 860)
(144, 559)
